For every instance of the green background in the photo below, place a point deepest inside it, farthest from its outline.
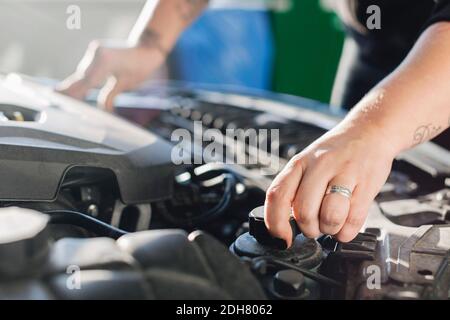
(309, 43)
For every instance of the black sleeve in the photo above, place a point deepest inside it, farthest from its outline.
(440, 13)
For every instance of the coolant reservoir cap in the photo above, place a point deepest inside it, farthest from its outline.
(23, 240)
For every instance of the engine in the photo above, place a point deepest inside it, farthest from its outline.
(138, 209)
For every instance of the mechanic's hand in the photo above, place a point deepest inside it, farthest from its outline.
(116, 68)
(353, 159)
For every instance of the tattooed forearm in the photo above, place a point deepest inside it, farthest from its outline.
(190, 9)
(152, 39)
(426, 132)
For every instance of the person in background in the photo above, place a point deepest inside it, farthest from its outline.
(395, 77)
(226, 42)
(230, 44)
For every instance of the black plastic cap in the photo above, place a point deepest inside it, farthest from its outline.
(258, 229)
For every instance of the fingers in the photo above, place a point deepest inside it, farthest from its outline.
(359, 208)
(304, 190)
(308, 199)
(279, 198)
(334, 160)
(112, 88)
(73, 86)
(335, 206)
(91, 72)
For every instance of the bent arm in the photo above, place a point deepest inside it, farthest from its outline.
(162, 21)
(117, 68)
(412, 104)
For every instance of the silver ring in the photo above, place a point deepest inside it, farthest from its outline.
(341, 190)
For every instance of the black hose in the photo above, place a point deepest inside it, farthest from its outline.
(307, 273)
(217, 210)
(205, 216)
(85, 221)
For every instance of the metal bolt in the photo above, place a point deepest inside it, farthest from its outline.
(92, 210)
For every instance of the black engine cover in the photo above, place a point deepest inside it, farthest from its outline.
(43, 135)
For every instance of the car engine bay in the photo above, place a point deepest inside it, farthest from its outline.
(104, 197)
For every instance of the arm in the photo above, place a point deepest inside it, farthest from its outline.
(125, 67)
(410, 106)
(161, 22)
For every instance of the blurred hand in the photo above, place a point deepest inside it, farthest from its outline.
(353, 159)
(115, 68)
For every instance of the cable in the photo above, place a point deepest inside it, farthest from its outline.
(230, 184)
(307, 273)
(82, 220)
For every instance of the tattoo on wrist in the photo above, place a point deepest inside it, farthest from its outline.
(152, 39)
(425, 132)
(189, 9)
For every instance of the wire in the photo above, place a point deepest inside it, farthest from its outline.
(230, 184)
(85, 221)
(307, 273)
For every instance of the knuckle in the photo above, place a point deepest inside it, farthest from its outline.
(98, 52)
(348, 165)
(303, 215)
(275, 193)
(325, 157)
(297, 162)
(102, 54)
(94, 45)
